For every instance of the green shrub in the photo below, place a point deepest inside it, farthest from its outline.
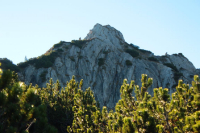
(43, 75)
(177, 75)
(132, 52)
(175, 54)
(106, 51)
(72, 58)
(67, 47)
(145, 51)
(174, 86)
(56, 110)
(171, 66)
(134, 46)
(128, 63)
(80, 56)
(101, 61)
(60, 50)
(78, 43)
(22, 107)
(58, 44)
(163, 58)
(7, 64)
(44, 61)
(181, 54)
(153, 59)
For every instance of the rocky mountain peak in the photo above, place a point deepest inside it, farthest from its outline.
(103, 60)
(106, 34)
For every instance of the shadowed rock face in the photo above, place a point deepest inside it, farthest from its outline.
(102, 63)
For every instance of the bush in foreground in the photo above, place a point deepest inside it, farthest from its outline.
(54, 109)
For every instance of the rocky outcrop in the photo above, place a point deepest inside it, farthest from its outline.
(102, 62)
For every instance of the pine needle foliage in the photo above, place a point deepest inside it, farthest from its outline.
(21, 109)
(30, 109)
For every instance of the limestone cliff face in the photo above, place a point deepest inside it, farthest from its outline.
(102, 62)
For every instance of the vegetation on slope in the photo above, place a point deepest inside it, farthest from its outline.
(43, 61)
(132, 52)
(8, 64)
(27, 108)
(47, 60)
(58, 45)
(153, 59)
(177, 74)
(79, 43)
(128, 63)
(135, 51)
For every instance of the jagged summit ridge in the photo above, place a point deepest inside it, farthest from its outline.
(106, 34)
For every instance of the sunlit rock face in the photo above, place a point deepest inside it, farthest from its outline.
(102, 64)
(107, 34)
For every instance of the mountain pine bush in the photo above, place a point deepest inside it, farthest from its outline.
(30, 109)
(21, 109)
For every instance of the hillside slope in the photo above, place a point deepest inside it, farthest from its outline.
(103, 59)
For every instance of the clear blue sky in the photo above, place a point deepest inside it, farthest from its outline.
(30, 27)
